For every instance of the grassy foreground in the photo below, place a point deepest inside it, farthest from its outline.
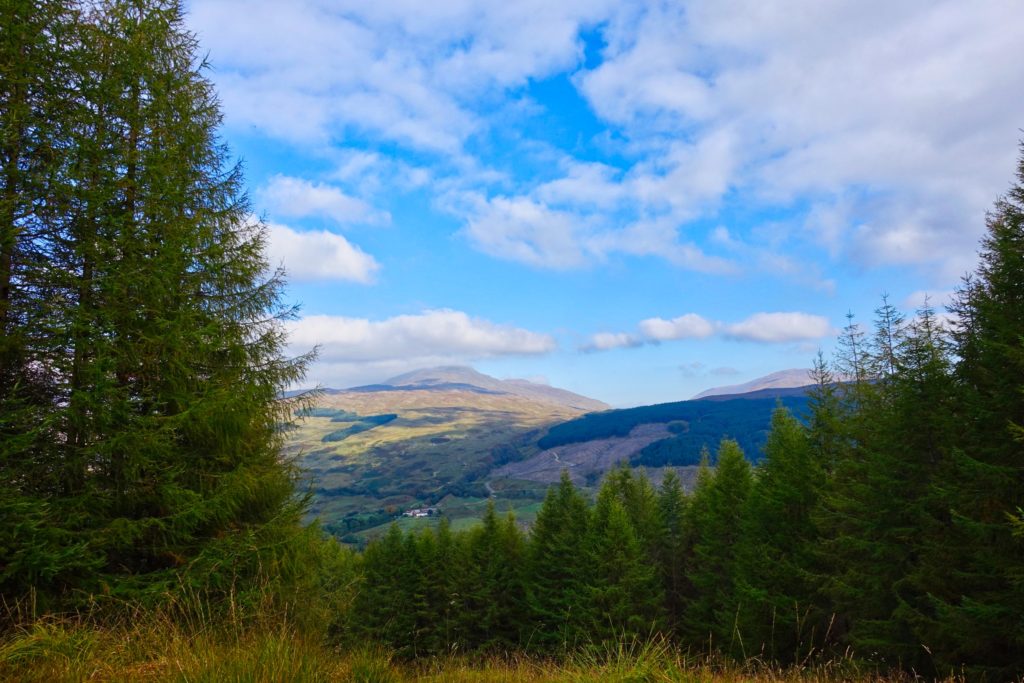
(166, 649)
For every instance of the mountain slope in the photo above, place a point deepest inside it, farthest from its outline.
(656, 436)
(417, 439)
(464, 377)
(783, 379)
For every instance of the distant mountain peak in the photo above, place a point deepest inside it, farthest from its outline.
(461, 377)
(783, 379)
(443, 374)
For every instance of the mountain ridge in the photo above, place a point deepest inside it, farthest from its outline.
(465, 378)
(782, 379)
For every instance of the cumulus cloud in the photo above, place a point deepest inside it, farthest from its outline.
(779, 327)
(289, 197)
(883, 130)
(433, 334)
(689, 326)
(893, 121)
(527, 230)
(769, 328)
(359, 350)
(400, 71)
(520, 229)
(605, 341)
(319, 255)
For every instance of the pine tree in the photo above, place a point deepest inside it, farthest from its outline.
(715, 517)
(558, 569)
(673, 503)
(161, 342)
(775, 590)
(976, 611)
(625, 597)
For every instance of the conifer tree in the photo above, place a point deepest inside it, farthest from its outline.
(975, 619)
(40, 48)
(496, 601)
(381, 602)
(161, 346)
(775, 589)
(444, 564)
(672, 502)
(715, 517)
(559, 571)
(625, 597)
(640, 502)
(879, 511)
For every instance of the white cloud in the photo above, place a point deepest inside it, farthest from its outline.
(527, 230)
(768, 328)
(689, 326)
(519, 229)
(895, 121)
(780, 327)
(290, 197)
(888, 126)
(428, 336)
(311, 71)
(605, 341)
(319, 255)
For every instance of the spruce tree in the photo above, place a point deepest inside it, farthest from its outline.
(879, 511)
(624, 592)
(640, 502)
(559, 571)
(976, 612)
(161, 343)
(715, 517)
(496, 601)
(673, 502)
(775, 589)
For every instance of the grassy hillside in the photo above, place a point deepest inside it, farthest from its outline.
(369, 456)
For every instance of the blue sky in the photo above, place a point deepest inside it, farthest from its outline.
(632, 200)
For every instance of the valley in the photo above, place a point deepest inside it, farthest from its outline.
(451, 438)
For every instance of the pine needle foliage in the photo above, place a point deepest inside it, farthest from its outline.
(143, 337)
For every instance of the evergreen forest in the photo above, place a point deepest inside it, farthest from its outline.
(150, 530)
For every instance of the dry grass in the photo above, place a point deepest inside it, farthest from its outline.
(161, 648)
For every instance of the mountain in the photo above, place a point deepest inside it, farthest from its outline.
(457, 377)
(451, 438)
(783, 379)
(657, 436)
(418, 439)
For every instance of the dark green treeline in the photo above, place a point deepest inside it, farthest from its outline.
(887, 522)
